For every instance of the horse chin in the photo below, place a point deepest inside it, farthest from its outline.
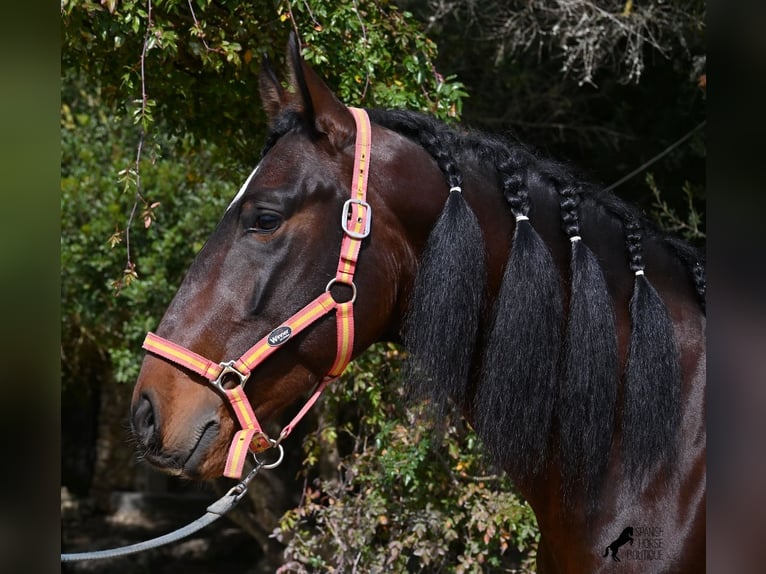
(204, 459)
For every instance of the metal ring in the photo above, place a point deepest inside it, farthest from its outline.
(334, 280)
(274, 464)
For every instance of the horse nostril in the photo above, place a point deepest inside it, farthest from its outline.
(144, 424)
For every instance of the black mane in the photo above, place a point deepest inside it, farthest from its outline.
(545, 372)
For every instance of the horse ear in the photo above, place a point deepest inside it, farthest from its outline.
(273, 96)
(320, 107)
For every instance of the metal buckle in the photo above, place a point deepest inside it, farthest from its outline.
(367, 218)
(228, 367)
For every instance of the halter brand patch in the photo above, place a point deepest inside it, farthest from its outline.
(279, 336)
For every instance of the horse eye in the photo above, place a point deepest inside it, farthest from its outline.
(266, 223)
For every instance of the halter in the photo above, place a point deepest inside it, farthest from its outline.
(355, 222)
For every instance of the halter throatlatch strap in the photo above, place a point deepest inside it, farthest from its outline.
(356, 219)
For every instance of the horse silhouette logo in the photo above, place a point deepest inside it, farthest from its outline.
(624, 538)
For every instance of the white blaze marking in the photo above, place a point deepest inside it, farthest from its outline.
(242, 189)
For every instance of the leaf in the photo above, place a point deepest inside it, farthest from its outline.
(110, 5)
(115, 239)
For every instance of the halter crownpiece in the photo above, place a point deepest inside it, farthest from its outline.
(356, 218)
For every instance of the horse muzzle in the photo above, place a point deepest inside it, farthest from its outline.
(189, 451)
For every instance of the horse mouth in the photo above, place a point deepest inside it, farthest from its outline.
(207, 436)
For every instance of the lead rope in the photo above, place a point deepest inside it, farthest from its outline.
(215, 511)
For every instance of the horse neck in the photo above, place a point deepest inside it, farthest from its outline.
(417, 202)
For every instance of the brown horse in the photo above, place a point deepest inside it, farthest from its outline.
(560, 323)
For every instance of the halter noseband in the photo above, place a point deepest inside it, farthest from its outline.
(355, 221)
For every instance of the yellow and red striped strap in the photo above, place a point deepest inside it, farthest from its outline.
(182, 356)
(235, 460)
(363, 145)
(344, 318)
(297, 323)
(359, 210)
(250, 438)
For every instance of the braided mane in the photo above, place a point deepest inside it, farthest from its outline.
(549, 384)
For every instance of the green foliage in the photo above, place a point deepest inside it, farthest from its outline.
(690, 227)
(406, 496)
(195, 64)
(190, 188)
(376, 53)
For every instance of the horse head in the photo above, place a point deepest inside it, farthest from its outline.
(275, 249)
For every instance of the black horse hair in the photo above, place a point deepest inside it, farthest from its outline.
(588, 389)
(547, 379)
(652, 373)
(516, 394)
(440, 341)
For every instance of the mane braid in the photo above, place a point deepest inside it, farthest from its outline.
(692, 258)
(651, 411)
(694, 261)
(589, 367)
(517, 392)
(441, 326)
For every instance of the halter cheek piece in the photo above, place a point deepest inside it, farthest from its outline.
(355, 221)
